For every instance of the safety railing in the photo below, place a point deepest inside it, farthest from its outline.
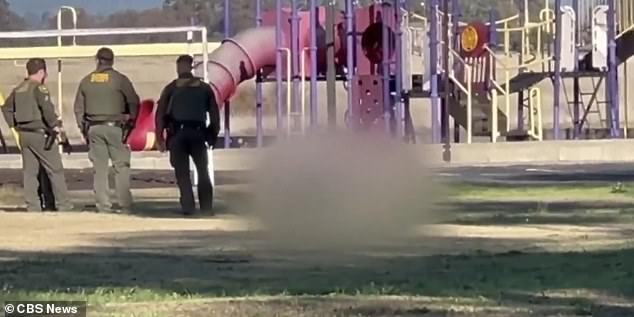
(465, 86)
(545, 24)
(416, 35)
(303, 88)
(535, 114)
(625, 15)
(627, 29)
(289, 101)
(548, 15)
(529, 54)
(496, 89)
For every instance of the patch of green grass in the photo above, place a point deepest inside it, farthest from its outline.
(139, 278)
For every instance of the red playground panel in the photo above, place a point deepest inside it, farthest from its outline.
(143, 137)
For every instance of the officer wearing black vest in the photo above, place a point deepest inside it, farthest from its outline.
(182, 113)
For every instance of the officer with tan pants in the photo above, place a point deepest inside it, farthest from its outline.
(29, 111)
(106, 106)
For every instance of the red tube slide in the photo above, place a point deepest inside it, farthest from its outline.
(239, 58)
(235, 61)
(142, 138)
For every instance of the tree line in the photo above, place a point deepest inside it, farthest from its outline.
(209, 13)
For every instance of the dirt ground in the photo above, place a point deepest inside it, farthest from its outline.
(561, 260)
(158, 249)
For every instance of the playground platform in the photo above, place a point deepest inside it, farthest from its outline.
(508, 153)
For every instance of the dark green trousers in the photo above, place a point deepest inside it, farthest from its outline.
(106, 145)
(47, 198)
(34, 156)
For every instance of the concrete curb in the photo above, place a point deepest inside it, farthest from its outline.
(479, 154)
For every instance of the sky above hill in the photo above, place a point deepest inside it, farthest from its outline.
(94, 6)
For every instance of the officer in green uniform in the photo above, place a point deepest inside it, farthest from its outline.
(30, 111)
(182, 112)
(106, 106)
(45, 191)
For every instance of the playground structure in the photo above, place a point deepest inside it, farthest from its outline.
(468, 75)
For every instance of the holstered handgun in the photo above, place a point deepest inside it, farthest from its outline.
(52, 135)
(49, 141)
(65, 143)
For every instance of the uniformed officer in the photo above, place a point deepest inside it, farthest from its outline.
(30, 111)
(182, 112)
(45, 189)
(105, 106)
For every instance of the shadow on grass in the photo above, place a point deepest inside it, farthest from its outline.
(557, 175)
(202, 264)
(535, 212)
(82, 179)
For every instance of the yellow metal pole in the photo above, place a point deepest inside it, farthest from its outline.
(494, 117)
(626, 105)
(507, 97)
(288, 89)
(469, 104)
(303, 87)
(507, 40)
(60, 92)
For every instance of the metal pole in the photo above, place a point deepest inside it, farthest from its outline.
(446, 83)
(626, 103)
(576, 90)
(520, 94)
(455, 14)
(385, 63)
(400, 131)
(433, 67)
(576, 87)
(60, 26)
(557, 79)
(314, 21)
(295, 60)
(613, 89)
(278, 68)
(350, 40)
(227, 107)
(258, 83)
(331, 71)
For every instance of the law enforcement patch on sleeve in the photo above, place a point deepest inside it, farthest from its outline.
(99, 78)
(43, 89)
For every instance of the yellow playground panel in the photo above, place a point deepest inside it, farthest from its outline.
(61, 52)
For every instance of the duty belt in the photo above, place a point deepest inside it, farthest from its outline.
(107, 123)
(187, 125)
(34, 130)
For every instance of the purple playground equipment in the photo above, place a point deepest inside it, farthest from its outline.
(285, 48)
(477, 75)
